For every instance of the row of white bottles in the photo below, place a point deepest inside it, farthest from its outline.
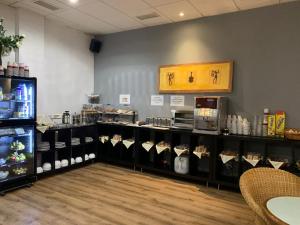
(238, 125)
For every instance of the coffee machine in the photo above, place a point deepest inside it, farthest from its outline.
(210, 114)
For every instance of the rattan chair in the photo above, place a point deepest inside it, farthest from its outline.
(260, 184)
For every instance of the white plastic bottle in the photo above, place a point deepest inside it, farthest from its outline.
(25, 93)
(229, 123)
(234, 125)
(265, 121)
(240, 125)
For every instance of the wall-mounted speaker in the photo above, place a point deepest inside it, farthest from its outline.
(95, 46)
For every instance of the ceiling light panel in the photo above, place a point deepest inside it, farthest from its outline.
(214, 7)
(129, 7)
(160, 2)
(172, 11)
(160, 19)
(83, 22)
(79, 3)
(250, 4)
(110, 15)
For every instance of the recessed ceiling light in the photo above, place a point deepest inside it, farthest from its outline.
(73, 1)
(181, 14)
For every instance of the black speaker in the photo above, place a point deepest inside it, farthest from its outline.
(95, 45)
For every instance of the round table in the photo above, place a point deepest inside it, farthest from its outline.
(284, 210)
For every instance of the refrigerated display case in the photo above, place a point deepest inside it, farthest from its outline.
(17, 99)
(17, 132)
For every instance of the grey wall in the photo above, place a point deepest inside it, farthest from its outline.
(264, 43)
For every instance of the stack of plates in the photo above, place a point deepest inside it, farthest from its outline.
(43, 146)
(75, 141)
(88, 139)
(60, 144)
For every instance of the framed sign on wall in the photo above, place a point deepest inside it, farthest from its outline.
(196, 78)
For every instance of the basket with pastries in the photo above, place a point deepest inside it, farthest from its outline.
(292, 134)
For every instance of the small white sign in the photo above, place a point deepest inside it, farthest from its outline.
(124, 99)
(157, 100)
(177, 100)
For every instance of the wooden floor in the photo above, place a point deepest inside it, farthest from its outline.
(103, 194)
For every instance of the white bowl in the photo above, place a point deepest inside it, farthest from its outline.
(92, 156)
(64, 163)
(78, 160)
(39, 170)
(57, 164)
(3, 174)
(47, 166)
(72, 161)
(86, 157)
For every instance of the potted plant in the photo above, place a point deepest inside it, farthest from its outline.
(8, 42)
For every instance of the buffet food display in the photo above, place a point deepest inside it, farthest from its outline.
(181, 150)
(201, 151)
(162, 146)
(116, 139)
(253, 158)
(108, 113)
(128, 142)
(148, 145)
(228, 155)
(278, 162)
(292, 134)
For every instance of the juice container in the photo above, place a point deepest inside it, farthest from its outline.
(280, 123)
(271, 125)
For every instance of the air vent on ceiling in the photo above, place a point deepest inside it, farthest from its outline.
(46, 5)
(148, 16)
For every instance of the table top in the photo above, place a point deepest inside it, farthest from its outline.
(285, 208)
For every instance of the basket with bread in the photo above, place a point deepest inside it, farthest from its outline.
(292, 134)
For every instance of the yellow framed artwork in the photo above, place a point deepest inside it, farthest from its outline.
(195, 78)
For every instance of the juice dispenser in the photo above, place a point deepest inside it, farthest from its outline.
(210, 114)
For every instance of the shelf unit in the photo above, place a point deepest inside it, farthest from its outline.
(117, 154)
(207, 170)
(69, 151)
(210, 169)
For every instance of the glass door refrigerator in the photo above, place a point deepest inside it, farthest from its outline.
(17, 132)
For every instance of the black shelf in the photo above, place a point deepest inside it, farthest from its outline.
(45, 174)
(213, 170)
(208, 169)
(65, 134)
(60, 149)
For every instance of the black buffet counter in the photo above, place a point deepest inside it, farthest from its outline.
(229, 156)
(226, 158)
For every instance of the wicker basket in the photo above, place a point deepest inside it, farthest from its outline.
(292, 136)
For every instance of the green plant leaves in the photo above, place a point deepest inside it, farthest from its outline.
(9, 42)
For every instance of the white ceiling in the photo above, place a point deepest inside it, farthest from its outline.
(110, 16)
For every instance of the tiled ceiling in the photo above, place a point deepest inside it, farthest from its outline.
(110, 16)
